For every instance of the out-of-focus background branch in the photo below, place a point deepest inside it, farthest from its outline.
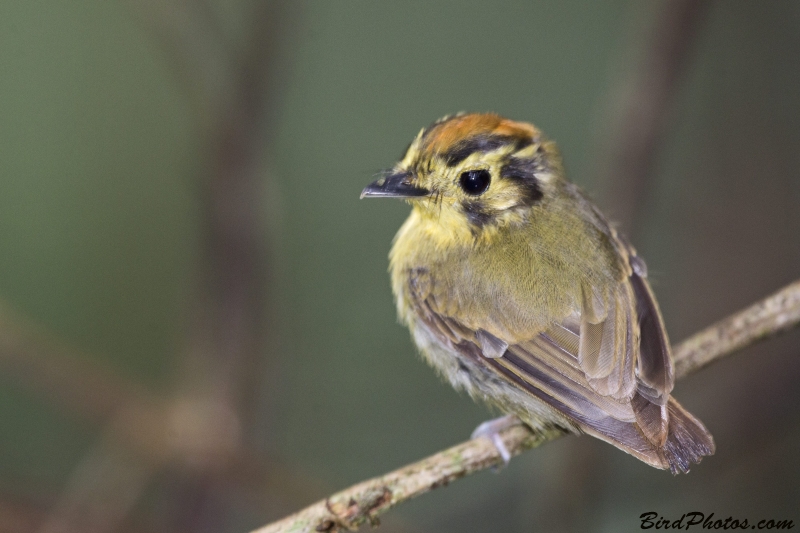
(638, 107)
(197, 332)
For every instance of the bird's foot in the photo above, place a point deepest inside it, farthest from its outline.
(491, 430)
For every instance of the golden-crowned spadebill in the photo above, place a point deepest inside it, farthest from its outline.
(518, 290)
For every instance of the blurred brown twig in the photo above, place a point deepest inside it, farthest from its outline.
(638, 109)
(140, 425)
(205, 423)
(226, 359)
(364, 502)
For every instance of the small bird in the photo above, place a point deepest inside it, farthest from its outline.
(518, 290)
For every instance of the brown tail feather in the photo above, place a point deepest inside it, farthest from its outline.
(688, 440)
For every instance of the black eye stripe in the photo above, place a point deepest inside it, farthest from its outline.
(482, 143)
(524, 171)
(475, 182)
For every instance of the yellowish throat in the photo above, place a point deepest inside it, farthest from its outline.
(517, 289)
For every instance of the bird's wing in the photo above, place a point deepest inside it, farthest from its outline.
(606, 366)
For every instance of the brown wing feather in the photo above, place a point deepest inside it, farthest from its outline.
(604, 350)
(586, 368)
(656, 375)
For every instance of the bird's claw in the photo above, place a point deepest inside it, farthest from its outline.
(491, 429)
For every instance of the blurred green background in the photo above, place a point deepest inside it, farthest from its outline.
(115, 142)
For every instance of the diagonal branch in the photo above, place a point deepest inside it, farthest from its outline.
(362, 503)
(772, 315)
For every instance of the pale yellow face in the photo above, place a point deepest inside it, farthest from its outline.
(477, 172)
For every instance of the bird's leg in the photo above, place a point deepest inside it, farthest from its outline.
(491, 429)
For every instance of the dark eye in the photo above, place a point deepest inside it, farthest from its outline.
(475, 182)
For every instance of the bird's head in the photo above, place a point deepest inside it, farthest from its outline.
(474, 172)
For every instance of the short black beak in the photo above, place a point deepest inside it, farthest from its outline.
(394, 186)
